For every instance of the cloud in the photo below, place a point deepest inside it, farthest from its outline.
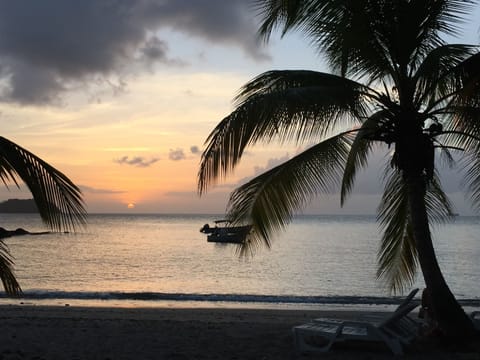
(194, 149)
(48, 47)
(226, 22)
(257, 170)
(176, 154)
(156, 51)
(271, 163)
(91, 190)
(138, 161)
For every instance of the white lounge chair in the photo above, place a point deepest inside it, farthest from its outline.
(395, 331)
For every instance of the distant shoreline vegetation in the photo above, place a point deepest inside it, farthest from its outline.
(18, 206)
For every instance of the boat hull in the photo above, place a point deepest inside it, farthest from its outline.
(232, 234)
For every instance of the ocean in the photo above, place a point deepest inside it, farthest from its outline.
(163, 260)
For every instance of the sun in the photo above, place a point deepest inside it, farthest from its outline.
(131, 206)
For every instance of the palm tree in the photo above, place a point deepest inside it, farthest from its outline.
(396, 85)
(58, 200)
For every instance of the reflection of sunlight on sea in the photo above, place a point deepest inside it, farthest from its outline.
(162, 254)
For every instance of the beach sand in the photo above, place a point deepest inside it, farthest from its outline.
(56, 332)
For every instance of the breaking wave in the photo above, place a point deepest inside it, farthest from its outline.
(235, 298)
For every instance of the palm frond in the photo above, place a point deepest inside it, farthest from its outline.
(467, 139)
(277, 12)
(292, 105)
(366, 38)
(439, 206)
(469, 74)
(341, 29)
(464, 108)
(359, 152)
(397, 256)
(58, 200)
(10, 283)
(434, 75)
(426, 23)
(455, 99)
(270, 200)
(309, 103)
(471, 180)
(446, 155)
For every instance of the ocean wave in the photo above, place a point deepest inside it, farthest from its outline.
(236, 298)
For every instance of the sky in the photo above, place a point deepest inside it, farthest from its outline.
(121, 95)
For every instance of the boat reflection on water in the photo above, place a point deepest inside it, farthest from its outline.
(223, 232)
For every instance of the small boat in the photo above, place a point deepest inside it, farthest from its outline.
(223, 232)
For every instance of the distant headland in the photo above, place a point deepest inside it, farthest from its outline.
(18, 206)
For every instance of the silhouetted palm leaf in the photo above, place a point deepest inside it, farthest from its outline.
(269, 200)
(360, 38)
(10, 283)
(471, 165)
(397, 256)
(437, 76)
(360, 150)
(282, 105)
(58, 200)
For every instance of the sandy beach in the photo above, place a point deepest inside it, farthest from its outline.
(55, 332)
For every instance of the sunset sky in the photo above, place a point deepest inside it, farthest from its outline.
(121, 95)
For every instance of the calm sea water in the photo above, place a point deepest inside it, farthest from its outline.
(155, 258)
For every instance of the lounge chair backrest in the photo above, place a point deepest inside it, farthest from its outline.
(400, 325)
(398, 314)
(396, 331)
(408, 298)
(405, 307)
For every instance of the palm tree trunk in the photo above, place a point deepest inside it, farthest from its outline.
(451, 318)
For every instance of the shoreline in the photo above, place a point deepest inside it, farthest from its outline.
(74, 332)
(338, 305)
(192, 304)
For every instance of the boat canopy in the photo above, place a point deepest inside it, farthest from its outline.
(221, 221)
